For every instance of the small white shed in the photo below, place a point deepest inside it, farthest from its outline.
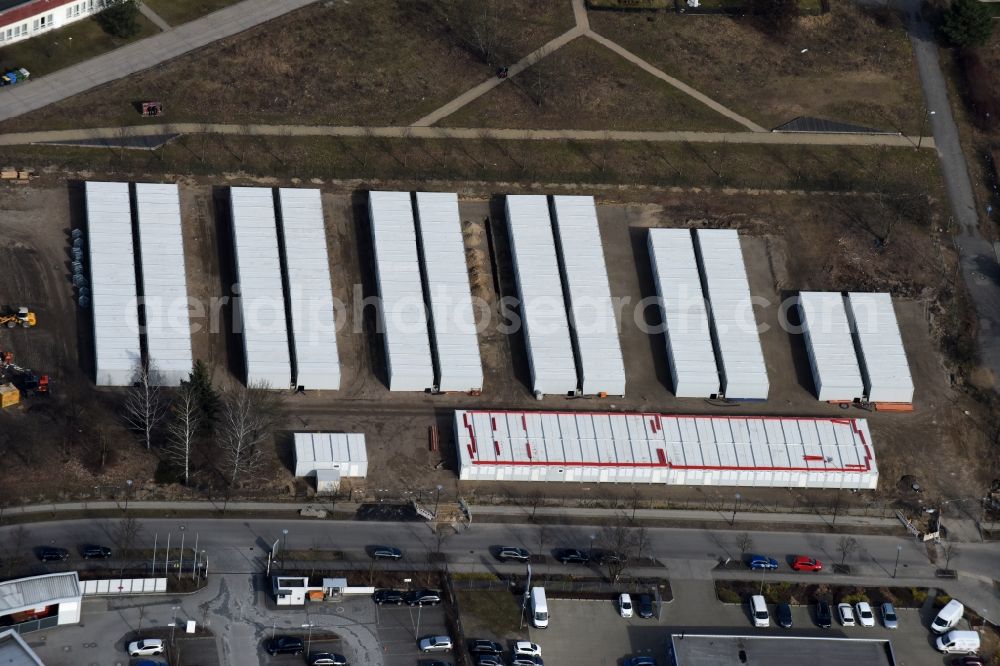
(343, 453)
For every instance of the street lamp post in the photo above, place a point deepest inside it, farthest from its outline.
(308, 626)
(128, 491)
(923, 121)
(180, 565)
(173, 625)
(590, 553)
(284, 545)
(899, 549)
(736, 506)
(437, 500)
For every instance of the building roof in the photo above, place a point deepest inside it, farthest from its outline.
(38, 591)
(832, 356)
(881, 354)
(15, 652)
(12, 11)
(713, 650)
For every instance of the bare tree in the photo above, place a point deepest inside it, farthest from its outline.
(846, 545)
(744, 543)
(248, 415)
(950, 550)
(480, 27)
(534, 500)
(144, 407)
(126, 533)
(182, 431)
(619, 542)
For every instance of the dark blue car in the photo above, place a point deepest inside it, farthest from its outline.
(761, 562)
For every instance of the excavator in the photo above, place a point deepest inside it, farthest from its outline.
(27, 381)
(24, 318)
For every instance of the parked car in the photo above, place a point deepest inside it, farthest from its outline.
(806, 563)
(388, 596)
(761, 562)
(327, 659)
(645, 606)
(571, 556)
(948, 616)
(846, 614)
(422, 598)
(433, 663)
(483, 646)
(527, 649)
(149, 662)
(386, 553)
(95, 552)
(527, 660)
(145, 647)
(605, 557)
(625, 605)
(823, 615)
(967, 661)
(639, 661)
(435, 644)
(505, 553)
(758, 611)
(489, 660)
(866, 618)
(889, 619)
(967, 642)
(284, 645)
(784, 616)
(52, 554)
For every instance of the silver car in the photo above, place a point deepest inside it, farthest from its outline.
(889, 619)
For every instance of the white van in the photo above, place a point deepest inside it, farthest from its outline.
(966, 642)
(758, 609)
(948, 617)
(539, 609)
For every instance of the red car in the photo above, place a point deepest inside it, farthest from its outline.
(804, 563)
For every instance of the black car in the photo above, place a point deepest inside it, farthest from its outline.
(784, 616)
(483, 646)
(823, 616)
(572, 556)
(605, 557)
(505, 553)
(422, 598)
(388, 597)
(95, 552)
(645, 605)
(51, 554)
(326, 659)
(284, 645)
(386, 553)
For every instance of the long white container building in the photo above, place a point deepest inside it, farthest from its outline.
(403, 314)
(114, 298)
(685, 315)
(453, 322)
(881, 356)
(588, 290)
(584, 447)
(738, 352)
(543, 308)
(262, 299)
(310, 292)
(164, 282)
(827, 334)
(331, 451)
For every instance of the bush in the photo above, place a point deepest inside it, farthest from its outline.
(120, 18)
(981, 93)
(854, 598)
(967, 23)
(727, 596)
(919, 595)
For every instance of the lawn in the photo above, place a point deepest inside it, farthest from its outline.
(846, 65)
(176, 12)
(67, 46)
(586, 86)
(489, 611)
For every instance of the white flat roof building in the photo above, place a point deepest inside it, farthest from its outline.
(685, 315)
(543, 308)
(325, 451)
(310, 292)
(38, 592)
(262, 298)
(453, 322)
(164, 282)
(827, 334)
(760, 451)
(114, 297)
(881, 356)
(402, 310)
(738, 353)
(588, 291)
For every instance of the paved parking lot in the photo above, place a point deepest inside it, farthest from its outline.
(399, 627)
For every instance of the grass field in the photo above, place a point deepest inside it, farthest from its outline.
(846, 65)
(67, 46)
(585, 86)
(176, 12)
(493, 611)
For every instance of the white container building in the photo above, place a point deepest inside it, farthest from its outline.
(543, 308)
(453, 322)
(114, 298)
(310, 292)
(344, 453)
(403, 313)
(685, 315)
(588, 291)
(881, 356)
(262, 298)
(827, 334)
(738, 352)
(164, 282)
(758, 451)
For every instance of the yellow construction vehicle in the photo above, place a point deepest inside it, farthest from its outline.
(24, 318)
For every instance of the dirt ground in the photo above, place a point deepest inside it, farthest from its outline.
(790, 242)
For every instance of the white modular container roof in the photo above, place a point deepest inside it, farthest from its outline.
(827, 334)
(882, 358)
(114, 299)
(543, 309)
(671, 449)
(592, 312)
(343, 452)
(738, 353)
(310, 292)
(453, 322)
(403, 312)
(262, 298)
(685, 315)
(164, 282)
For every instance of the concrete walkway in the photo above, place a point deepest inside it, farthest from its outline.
(772, 138)
(157, 20)
(146, 53)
